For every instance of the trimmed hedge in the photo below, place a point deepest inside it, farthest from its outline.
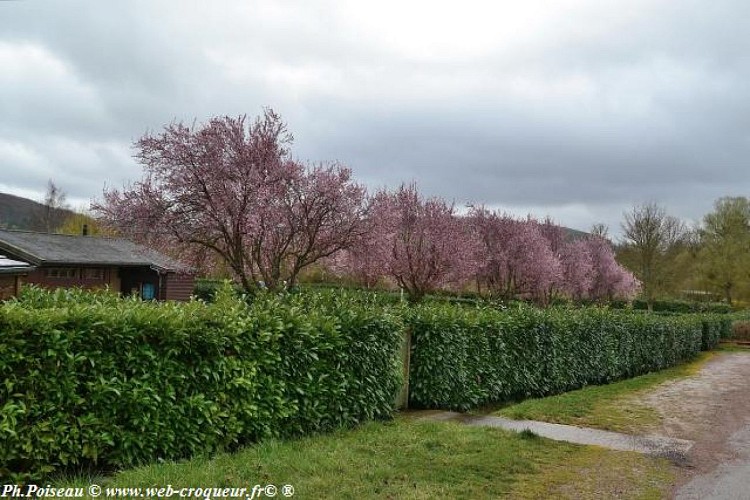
(677, 306)
(206, 289)
(111, 383)
(740, 327)
(91, 380)
(715, 328)
(463, 358)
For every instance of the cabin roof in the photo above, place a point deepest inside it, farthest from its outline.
(44, 249)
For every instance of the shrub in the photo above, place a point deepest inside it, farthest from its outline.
(682, 306)
(741, 330)
(715, 328)
(93, 380)
(34, 297)
(111, 383)
(205, 289)
(463, 358)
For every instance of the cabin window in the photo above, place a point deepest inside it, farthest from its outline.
(61, 272)
(93, 273)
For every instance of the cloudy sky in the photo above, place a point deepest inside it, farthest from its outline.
(575, 109)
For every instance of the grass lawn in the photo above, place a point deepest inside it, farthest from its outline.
(415, 459)
(728, 347)
(609, 407)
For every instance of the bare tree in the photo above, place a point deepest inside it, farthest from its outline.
(601, 230)
(53, 210)
(651, 239)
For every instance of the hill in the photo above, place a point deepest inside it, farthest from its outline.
(21, 213)
(575, 234)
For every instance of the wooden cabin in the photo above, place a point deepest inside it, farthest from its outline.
(12, 274)
(60, 260)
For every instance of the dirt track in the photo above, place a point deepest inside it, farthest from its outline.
(711, 408)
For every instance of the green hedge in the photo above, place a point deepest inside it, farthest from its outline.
(463, 358)
(715, 328)
(110, 383)
(676, 306)
(206, 289)
(91, 380)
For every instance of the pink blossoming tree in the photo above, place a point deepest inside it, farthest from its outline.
(578, 269)
(514, 258)
(230, 188)
(427, 246)
(367, 260)
(610, 280)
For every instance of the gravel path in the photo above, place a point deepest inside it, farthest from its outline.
(712, 409)
(729, 480)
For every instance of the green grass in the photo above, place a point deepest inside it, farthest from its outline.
(414, 459)
(729, 347)
(609, 407)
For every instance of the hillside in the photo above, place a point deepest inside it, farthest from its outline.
(575, 234)
(21, 213)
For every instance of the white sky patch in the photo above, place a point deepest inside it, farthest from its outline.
(19, 156)
(27, 63)
(447, 31)
(36, 87)
(32, 194)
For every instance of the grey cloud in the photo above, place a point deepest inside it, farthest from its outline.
(614, 106)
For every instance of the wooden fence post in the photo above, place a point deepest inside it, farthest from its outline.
(402, 402)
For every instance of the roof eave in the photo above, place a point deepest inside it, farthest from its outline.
(20, 252)
(50, 263)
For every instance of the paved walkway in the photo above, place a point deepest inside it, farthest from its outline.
(730, 480)
(675, 449)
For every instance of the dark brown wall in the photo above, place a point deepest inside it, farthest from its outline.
(178, 286)
(9, 286)
(171, 286)
(38, 277)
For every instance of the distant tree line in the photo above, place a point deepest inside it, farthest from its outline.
(710, 260)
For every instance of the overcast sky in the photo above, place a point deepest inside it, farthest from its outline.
(574, 109)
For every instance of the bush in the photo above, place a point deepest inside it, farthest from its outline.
(40, 298)
(463, 358)
(91, 380)
(109, 383)
(682, 306)
(715, 328)
(741, 330)
(206, 289)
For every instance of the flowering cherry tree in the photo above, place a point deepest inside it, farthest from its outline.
(554, 234)
(231, 188)
(528, 259)
(610, 280)
(514, 256)
(422, 243)
(578, 269)
(367, 260)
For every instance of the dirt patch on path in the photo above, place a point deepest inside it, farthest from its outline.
(692, 408)
(707, 408)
